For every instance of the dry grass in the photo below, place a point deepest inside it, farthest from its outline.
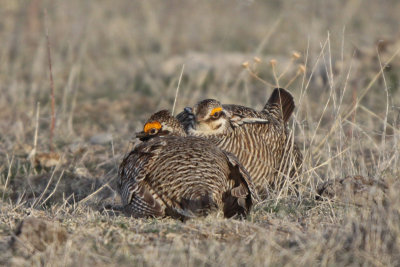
(114, 63)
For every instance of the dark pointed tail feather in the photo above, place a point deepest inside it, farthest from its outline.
(282, 99)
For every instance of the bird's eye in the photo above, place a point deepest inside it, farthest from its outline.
(153, 131)
(216, 115)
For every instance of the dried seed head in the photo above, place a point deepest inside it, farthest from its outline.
(273, 62)
(302, 68)
(296, 55)
(257, 59)
(245, 64)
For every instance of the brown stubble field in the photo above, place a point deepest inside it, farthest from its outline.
(116, 62)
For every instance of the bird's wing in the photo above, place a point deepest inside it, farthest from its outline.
(240, 115)
(246, 184)
(136, 194)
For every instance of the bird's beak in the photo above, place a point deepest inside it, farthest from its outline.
(142, 136)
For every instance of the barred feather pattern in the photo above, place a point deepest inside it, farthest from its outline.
(258, 148)
(266, 150)
(183, 177)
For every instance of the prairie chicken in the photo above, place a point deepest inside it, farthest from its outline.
(171, 174)
(259, 139)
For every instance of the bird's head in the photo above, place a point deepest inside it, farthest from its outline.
(161, 123)
(210, 118)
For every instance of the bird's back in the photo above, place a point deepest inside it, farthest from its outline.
(185, 175)
(265, 148)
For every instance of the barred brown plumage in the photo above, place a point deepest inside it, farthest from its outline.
(260, 139)
(171, 174)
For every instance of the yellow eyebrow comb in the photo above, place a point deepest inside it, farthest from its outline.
(215, 110)
(150, 125)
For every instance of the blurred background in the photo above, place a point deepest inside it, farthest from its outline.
(116, 62)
